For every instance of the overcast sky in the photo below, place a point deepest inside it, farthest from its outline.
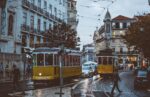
(91, 14)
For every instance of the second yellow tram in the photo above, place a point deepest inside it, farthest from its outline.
(106, 64)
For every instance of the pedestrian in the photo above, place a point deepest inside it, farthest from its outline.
(1, 70)
(28, 71)
(16, 77)
(116, 78)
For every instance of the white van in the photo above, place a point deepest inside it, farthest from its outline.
(88, 68)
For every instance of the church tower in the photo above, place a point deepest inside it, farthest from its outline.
(108, 28)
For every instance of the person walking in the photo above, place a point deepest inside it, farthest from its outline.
(16, 77)
(116, 78)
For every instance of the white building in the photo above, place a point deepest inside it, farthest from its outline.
(23, 25)
(72, 14)
(120, 25)
(88, 53)
(102, 36)
(109, 36)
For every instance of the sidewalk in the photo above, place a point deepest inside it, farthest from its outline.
(4, 80)
(47, 92)
(9, 81)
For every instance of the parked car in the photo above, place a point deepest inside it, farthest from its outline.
(141, 79)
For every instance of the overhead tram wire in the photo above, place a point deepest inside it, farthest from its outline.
(103, 8)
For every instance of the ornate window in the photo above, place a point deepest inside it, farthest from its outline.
(32, 23)
(10, 24)
(39, 25)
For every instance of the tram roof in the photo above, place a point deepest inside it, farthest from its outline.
(55, 50)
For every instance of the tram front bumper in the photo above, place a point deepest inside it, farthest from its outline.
(43, 77)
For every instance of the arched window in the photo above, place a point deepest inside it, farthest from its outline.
(10, 24)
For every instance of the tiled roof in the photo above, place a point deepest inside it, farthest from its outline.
(120, 17)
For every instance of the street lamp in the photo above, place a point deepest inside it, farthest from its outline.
(25, 56)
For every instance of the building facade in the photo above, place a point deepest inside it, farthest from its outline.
(23, 23)
(110, 36)
(88, 53)
(102, 37)
(72, 14)
(124, 53)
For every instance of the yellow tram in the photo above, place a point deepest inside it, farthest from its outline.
(105, 63)
(46, 64)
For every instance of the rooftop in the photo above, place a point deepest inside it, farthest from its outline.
(121, 17)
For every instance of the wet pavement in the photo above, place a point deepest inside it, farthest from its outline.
(38, 89)
(85, 87)
(91, 87)
(47, 92)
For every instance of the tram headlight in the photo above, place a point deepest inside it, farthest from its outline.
(40, 74)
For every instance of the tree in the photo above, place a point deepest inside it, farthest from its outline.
(138, 35)
(62, 33)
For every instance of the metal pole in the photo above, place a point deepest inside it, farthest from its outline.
(24, 71)
(61, 78)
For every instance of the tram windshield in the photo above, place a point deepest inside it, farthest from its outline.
(40, 59)
(34, 60)
(48, 59)
(105, 60)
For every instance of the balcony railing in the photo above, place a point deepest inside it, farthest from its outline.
(10, 57)
(38, 10)
(25, 27)
(29, 29)
(127, 53)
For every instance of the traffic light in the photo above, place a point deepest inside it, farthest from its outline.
(149, 2)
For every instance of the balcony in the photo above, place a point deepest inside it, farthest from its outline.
(39, 10)
(10, 56)
(26, 3)
(25, 28)
(46, 14)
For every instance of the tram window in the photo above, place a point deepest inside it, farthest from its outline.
(75, 61)
(63, 60)
(67, 60)
(99, 60)
(109, 60)
(48, 59)
(105, 60)
(79, 61)
(71, 60)
(56, 58)
(34, 60)
(40, 59)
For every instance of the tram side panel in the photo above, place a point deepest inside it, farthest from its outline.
(71, 66)
(43, 72)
